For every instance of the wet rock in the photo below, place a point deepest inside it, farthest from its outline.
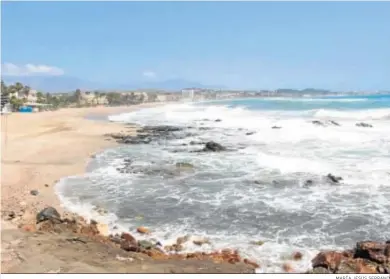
(250, 133)
(297, 256)
(365, 125)
(217, 120)
(128, 237)
(353, 266)
(320, 270)
(318, 123)
(334, 123)
(147, 245)
(143, 230)
(34, 192)
(308, 182)
(212, 146)
(258, 243)
(333, 179)
(197, 142)
(48, 213)
(276, 127)
(373, 251)
(251, 263)
(201, 242)
(182, 240)
(330, 260)
(288, 268)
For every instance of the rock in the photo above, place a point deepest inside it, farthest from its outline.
(250, 133)
(49, 213)
(184, 166)
(287, 268)
(365, 125)
(200, 242)
(334, 123)
(142, 230)
(103, 229)
(183, 239)
(318, 123)
(297, 256)
(178, 248)
(333, 179)
(147, 245)
(130, 247)
(46, 185)
(251, 263)
(258, 243)
(11, 215)
(276, 127)
(34, 192)
(308, 182)
(320, 270)
(217, 120)
(128, 237)
(213, 147)
(330, 260)
(93, 222)
(353, 266)
(373, 251)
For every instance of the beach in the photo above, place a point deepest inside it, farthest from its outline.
(67, 159)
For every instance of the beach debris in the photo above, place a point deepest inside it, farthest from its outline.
(142, 230)
(48, 213)
(276, 127)
(213, 147)
(365, 125)
(34, 192)
(333, 179)
(258, 242)
(297, 256)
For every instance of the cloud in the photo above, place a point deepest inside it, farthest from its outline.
(9, 69)
(149, 74)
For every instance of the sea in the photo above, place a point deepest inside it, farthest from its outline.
(258, 190)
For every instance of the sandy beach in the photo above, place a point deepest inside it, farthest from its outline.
(40, 148)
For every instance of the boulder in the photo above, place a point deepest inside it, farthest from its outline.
(212, 146)
(48, 213)
(128, 237)
(365, 125)
(329, 260)
(142, 230)
(147, 245)
(297, 256)
(374, 251)
(333, 179)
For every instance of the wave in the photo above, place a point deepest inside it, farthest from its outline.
(368, 114)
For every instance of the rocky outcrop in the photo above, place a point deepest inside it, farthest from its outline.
(367, 257)
(212, 146)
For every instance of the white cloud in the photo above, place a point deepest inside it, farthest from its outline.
(149, 74)
(9, 69)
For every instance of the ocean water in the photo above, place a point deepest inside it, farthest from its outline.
(256, 192)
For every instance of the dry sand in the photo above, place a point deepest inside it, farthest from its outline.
(40, 148)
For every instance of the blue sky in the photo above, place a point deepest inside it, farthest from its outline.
(334, 45)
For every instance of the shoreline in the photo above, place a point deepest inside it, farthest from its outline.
(49, 147)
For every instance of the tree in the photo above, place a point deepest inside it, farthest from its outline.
(77, 95)
(18, 86)
(4, 89)
(16, 103)
(40, 97)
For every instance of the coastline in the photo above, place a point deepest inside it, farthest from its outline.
(39, 149)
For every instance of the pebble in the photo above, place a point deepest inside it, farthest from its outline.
(34, 192)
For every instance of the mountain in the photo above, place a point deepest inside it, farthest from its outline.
(59, 84)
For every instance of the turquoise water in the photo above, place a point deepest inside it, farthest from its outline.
(333, 103)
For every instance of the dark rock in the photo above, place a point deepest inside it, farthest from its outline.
(250, 133)
(34, 192)
(46, 185)
(308, 182)
(362, 124)
(213, 147)
(334, 123)
(276, 127)
(197, 142)
(49, 213)
(218, 120)
(93, 222)
(373, 251)
(329, 260)
(333, 179)
(130, 247)
(319, 123)
(128, 237)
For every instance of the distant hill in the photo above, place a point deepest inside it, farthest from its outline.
(66, 83)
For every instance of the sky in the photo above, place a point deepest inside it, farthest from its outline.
(256, 45)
